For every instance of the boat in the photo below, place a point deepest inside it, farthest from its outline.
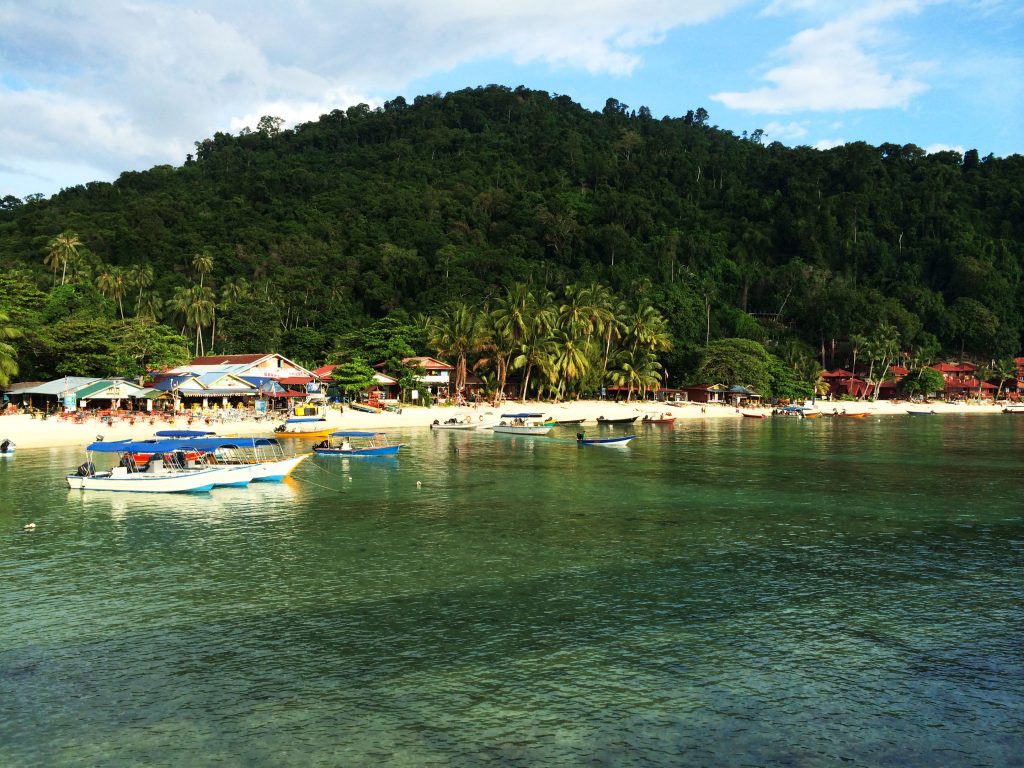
(357, 444)
(845, 415)
(920, 413)
(263, 457)
(569, 422)
(363, 408)
(454, 423)
(752, 415)
(167, 470)
(180, 434)
(1014, 408)
(305, 421)
(623, 420)
(812, 414)
(582, 440)
(522, 424)
(7, 447)
(665, 418)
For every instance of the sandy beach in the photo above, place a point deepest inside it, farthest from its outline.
(28, 432)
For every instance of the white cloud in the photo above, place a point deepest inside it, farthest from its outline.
(931, 149)
(776, 131)
(837, 66)
(123, 84)
(824, 144)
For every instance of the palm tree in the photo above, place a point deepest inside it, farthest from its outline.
(150, 305)
(63, 249)
(139, 276)
(1006, 370)
(571, 360)
(536, 352)
(113, 282)
(200, 312)
(636, 369)
(857, 343)
(8, 354)
(202, 263)
(458, 331)
(884, 346)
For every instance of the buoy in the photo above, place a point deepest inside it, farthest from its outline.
(419, 484)
(30, 526)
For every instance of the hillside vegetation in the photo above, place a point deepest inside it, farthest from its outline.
(296, 239)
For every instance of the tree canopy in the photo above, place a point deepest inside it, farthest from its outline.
(299, 239)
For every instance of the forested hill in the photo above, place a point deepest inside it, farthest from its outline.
(344, 220)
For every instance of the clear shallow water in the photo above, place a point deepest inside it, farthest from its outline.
(739, 592)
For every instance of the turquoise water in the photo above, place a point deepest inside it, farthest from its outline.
(741, 592)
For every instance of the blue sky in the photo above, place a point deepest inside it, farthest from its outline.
(96, 87)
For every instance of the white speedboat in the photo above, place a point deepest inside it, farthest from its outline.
(454, 423)
(522, 424)
(154, 466)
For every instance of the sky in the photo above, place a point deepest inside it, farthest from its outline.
(92, 88)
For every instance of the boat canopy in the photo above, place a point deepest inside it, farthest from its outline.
(522, 415)
(355, 434)
(183, 433)
(213, 443)
(302, 419)
(141, 446)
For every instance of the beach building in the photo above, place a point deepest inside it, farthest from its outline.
(384, 387)
(706, 393)
(437, 377)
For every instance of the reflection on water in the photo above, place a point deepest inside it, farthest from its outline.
(766, 593)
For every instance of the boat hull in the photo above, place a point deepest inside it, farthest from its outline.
(628, 420)
(277, 471)
(518, 430)
(605, 441)
(179, 482)
(387, 450)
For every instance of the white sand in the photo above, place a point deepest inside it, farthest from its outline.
(34, 433)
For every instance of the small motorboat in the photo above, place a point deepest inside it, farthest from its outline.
(362, 408)
(582, 439)
(845, 415)
(665, 418)
(570, 422)
(357, 444)
(454, 423)
(1015, 408)
(753, 415)
(522, 424)
(624, 420)
(920, 413)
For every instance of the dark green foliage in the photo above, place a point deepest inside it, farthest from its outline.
(365, 213)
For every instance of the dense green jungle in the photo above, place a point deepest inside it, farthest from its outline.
(531, 239)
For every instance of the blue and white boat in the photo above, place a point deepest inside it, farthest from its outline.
(522, 424)
(168, 469)
(582, 440)
(357, 444)
(262, 456)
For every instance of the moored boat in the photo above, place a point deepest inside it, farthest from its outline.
(623, 420)
(753, 415)
(263, 457)
(522, 424)
(305, 421)
(569, 422)
(582, 440)
(455, 423)
(166, 471)
(1014, 408)
(363, 408)
(357, 444)
(920, 413)
(666, 418)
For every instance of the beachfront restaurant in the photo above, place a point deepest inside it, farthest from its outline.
(81, 393)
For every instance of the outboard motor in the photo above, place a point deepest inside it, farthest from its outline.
(87, 470)
(6, 445)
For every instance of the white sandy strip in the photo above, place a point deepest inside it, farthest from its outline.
(34, 433)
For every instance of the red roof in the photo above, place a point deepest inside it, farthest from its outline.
(295, 380)
(428, 363)
(955, 367)
(227, 359)
(838, 373)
